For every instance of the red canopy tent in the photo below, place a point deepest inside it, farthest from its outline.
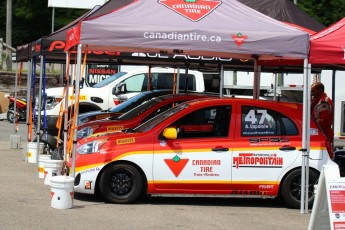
(328, 45)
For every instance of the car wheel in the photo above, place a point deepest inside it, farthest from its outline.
(291, 188)
(11, 116)
(121, 183)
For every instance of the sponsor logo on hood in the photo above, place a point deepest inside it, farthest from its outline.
(193, 10)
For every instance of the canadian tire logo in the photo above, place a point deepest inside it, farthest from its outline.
(239, 38)
(194, 10)
(176, 164)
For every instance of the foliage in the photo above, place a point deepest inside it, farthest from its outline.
(32, 19)
(325, 11)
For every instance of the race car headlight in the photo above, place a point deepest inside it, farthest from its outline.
(85, 132)
(91, 147)
(82, 120)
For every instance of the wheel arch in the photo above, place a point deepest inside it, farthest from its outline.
(288, 198)
(142, 173)
(290, 171)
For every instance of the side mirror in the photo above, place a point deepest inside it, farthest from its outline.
(81, 83)
(170, 133)
(119, 89)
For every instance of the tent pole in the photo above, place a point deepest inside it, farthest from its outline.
(275, 87)
(305, 134)
(221, 83)
(178, 80)
(38, 133)
(256, 87)
(65, 115)
(333, 97)
(77, 89)
(308, 141)
(15, 99)
(186, 82)
(28, 97)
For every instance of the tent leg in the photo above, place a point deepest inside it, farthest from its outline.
(305, 138)
(75, 121)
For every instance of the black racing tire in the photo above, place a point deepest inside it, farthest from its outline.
(121, 184)
(291, 188)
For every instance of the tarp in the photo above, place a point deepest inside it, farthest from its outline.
(23, 53)
(205, 27)
(328, 45)
(285, 11)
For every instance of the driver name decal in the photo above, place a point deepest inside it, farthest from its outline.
(193, 10)
(251, 160)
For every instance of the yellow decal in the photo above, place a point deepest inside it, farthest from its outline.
(41, 169)
(114, 128)
(102, 116)
(125, 141)
(81, 97)
(28, 154)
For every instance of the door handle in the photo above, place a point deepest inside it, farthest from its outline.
(287, 148)
(220, 149)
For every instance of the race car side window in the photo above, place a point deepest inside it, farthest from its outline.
(206, 122)
(258, 121)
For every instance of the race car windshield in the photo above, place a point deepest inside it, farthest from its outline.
(109, 80)
(139, 110)
(159, 118)
(135, 101)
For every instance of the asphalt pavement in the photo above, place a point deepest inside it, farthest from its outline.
(25, 204)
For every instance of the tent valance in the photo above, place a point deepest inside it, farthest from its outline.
(204, 28)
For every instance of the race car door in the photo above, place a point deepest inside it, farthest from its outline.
(199, 160)
(266, 144)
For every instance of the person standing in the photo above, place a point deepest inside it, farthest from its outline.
(322, 110)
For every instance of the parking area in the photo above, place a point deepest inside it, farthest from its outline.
(25, 203)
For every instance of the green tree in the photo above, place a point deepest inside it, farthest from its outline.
(31, 20)
(325, 11)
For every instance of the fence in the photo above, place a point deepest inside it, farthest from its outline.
(5, 52)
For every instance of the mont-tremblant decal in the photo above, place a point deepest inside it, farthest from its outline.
(193, 10)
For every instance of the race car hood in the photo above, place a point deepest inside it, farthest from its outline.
(101, 122)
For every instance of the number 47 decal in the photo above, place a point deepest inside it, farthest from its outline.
(251, 117)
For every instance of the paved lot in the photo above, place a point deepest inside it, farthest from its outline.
(25, 204)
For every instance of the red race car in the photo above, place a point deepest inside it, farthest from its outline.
(136, 116)
(121, 108)
(217, 147)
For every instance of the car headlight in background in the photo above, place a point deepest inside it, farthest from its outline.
(52, 102)
(82, 120)
(91, 147)
(85, 132)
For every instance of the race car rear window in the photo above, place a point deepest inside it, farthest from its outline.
(258, 121)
